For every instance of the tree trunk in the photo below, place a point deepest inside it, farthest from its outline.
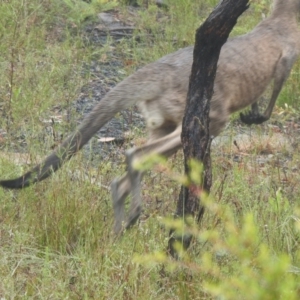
(210, 37)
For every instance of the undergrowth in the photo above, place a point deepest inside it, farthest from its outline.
(56, 239)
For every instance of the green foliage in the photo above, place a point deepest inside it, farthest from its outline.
(261, 6)
(237, 262)
(290, 92)
(79, 11)
(255, 271)
(40, 58)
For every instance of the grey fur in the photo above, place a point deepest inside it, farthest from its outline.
(246, 66)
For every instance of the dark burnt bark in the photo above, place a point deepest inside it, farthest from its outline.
(210, 37)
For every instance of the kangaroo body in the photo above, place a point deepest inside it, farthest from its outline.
(247, 65)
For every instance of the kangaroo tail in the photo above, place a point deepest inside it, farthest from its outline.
(134, 88)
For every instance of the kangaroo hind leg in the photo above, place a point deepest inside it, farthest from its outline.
(120, 189)
(131, 181)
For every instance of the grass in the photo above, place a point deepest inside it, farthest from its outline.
(56, 237)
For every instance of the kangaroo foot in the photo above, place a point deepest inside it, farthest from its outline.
(252, 118)
(133, 216)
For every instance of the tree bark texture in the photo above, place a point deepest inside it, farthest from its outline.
(210, 37)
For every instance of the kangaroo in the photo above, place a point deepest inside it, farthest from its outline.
(247, 65)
